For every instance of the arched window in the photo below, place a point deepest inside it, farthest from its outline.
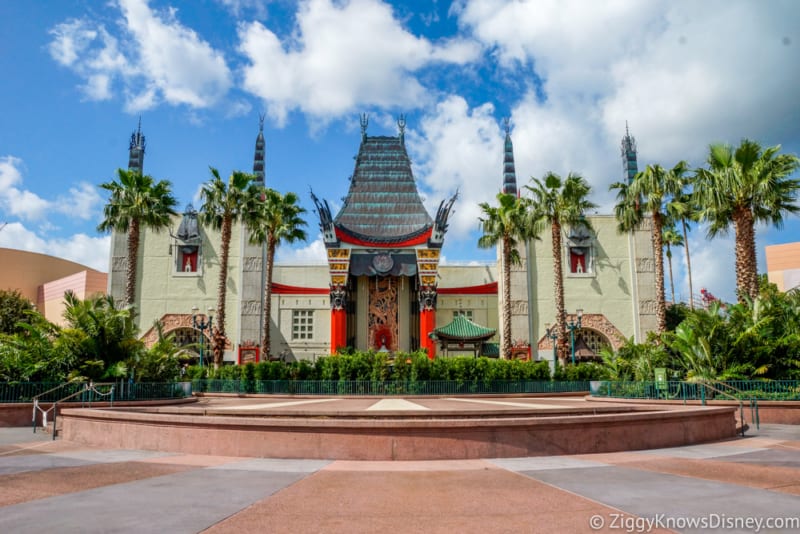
(593, 339)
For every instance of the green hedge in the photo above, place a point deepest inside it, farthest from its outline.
(413, 367)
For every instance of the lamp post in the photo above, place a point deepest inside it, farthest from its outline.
(574, 325)
(553, 335)
(201, 324)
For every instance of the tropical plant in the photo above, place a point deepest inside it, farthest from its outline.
(506, 225)
(137, 202)
(671, 238)
(647, 196)
(742, 187)
(14, 309)
(278, 219)
(162, 361)
(98, 336)
(557, 203)
(225, 204)
(31, 355)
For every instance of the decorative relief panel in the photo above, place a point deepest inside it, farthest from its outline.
(593, 323)
(382, 320)
(251, 307)
(645, 265)
(424, 253)
(173, 321)
(519, 307)
(251, 264)
(648, 307)
(119, 263)
(339, 253)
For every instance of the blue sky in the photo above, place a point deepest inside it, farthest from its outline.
(78, 74)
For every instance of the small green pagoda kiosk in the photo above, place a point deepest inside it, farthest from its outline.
(462, 335)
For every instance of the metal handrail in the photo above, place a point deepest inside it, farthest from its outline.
(753, 402)
(44, 412)
(86, 388)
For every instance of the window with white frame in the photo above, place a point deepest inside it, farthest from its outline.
(302, 324)
(463, 313)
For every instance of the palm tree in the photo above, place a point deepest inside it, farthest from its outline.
(137, 202)
(743, 187)
(556, 203)
(682, 208)
(225, 204)
(98, 335)
(671, 238)
(648, 193)
(507, 225)
(277, 220)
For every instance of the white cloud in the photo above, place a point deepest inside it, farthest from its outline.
(239, 7)
(92, 53)
(341, 56)
(458, 148)
(712, 266)
(82, 201)
(184, 68)
(71, 40)
(313, 253)
(83, 249)
(156, 58)
(683, 73)
(80, 248)
(718, 71)
(19, 202)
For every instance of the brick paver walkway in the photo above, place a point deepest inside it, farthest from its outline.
(746, 484)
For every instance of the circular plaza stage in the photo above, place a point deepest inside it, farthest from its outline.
(408, 428)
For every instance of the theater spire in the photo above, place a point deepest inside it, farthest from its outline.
(136, 150)
(258, 159)
(509, 172)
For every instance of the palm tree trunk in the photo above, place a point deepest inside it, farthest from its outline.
(688, 264)
(671, 282)
(133, 252)
(265, 343)
(558, 288)
(658, 253)
(222, 288)
(746, 266)
(506, 341)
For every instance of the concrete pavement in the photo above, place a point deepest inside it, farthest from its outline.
(745, 484)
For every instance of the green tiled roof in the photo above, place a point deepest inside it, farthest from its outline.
(490, 350)
(383, 204)
(463, 328)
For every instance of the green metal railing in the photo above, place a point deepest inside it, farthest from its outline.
(384, 388)
(46, 392)
(779, 390)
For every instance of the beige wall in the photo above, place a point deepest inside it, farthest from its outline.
(163, 289)
(621, 287)
(43, 279)
(620, 290)
(84, 284)
(783, 265)
(483, 307)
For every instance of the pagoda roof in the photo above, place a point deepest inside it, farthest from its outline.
(383, 206)
(461, 328)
